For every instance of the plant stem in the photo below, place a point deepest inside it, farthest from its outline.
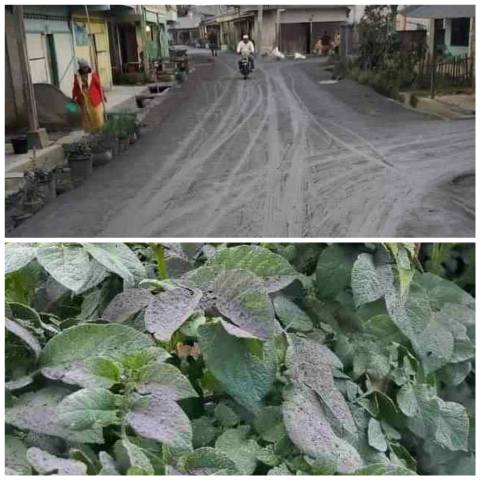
(159, 251)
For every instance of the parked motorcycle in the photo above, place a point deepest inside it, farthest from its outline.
(245, 66)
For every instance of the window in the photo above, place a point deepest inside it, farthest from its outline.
(460, 32)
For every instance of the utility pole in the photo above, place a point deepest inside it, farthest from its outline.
(259, 28)
(37, 136)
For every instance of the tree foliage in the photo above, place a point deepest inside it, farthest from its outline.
(249, 359)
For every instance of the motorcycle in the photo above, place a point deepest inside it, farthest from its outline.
(245, 66)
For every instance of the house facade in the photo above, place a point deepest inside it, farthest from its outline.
(292, 28)
(450, 29)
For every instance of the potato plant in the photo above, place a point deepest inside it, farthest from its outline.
(271, 359)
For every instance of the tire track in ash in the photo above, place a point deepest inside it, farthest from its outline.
(156, 202)
(238, 120)
(360, 204)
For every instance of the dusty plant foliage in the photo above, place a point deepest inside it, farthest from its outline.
(239, 359)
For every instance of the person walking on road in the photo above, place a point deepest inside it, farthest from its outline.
(213, 43)
(89, 95)
(245, 48)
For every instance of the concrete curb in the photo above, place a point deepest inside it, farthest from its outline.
(433, 107)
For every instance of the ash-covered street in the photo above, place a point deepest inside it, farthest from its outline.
(277, 155)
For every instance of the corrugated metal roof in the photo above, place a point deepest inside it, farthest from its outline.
(439, 11)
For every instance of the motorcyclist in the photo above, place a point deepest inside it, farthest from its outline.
(245, 48)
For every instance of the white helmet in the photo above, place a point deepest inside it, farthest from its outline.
(245, 37)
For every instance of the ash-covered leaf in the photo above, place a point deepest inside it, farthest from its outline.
(291, 316)
(311, 363)
(89, 408)
(68, 264)
(376, 438)
(16, 462)
(310, 431)
(430, 417)
(269, 424)
(236, 445)
(25, 335)
(46, 464)
(160, 418)
(366, 285)
(165, 379)
(118, 258)
(384, 469)
(225, 415)
(334, 269)
(207, 461)
(70, 356)
(126, 304)
(281, 469)
(139, 464)
(38, 412)
(169, 310)
(274, 269)
(108, 464)
(18, 255)
(204, 432)
(241, 297)
(245, 376)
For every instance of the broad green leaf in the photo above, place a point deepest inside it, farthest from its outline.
(16, 462)
(226, 416)
(46, 464)
(25, 335)
(366, 285)
(376, 438)
(441, 291)
(126, 304)
(334, 269)
(290, 315)
(119, 259)
(158, 417)
(236, 445)
(269, 424)
(244, 376)
(310, 431)
(207, 461)
(169, 310)
(70, 356)
(370, 357)
(38, 412)
(311, 363)
(90, 408)
(67, 264)
(18, 255)
(271, 267)
(166, 380)
(204, 432)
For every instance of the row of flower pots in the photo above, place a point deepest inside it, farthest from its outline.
(120, 131)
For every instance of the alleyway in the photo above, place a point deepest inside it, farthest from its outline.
(277, 155)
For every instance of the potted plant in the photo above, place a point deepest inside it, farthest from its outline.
(45, 180)
(79, 157)
(20, 144)
(101, 148)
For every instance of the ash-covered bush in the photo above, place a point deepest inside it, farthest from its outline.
(278, 359)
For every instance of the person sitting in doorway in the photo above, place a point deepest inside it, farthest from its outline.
(325, 42)
(245, 48)
(89, 95)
